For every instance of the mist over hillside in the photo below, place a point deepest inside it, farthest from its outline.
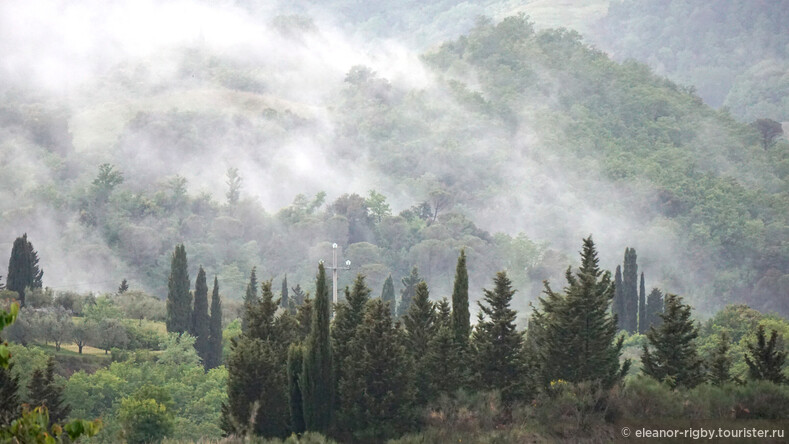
(495, 126)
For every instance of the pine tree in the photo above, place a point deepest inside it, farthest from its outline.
(461, 322)
(619, 301)
(443, 361)
(720, 364)
(261, 315)
(576, 331)
(497, 345)
(200, 327)
(179, 301)
(675, 359)
(630, 290)
(23, 269)
(407, 293)
(388, 295)
(348, 316)
(420, 329)
(642, 307)
(317, 386)
(215, 329)
(284, 301)
(43, 391)
(295, 400)
(124, 287)
(765, 358)
(9, 394)
(378, 391)
(298, 297)
(250, 297)
(654, 308)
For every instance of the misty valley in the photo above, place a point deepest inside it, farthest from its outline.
(405, 222)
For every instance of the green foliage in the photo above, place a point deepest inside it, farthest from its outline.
(443, 362)
(317, 380)
(200, 325)
(9, 393)
(420, 328)
(675, 358)
(630, 292)
(43, 391)
(643, 323)
(720, 365)
(6, 319)
(179, 300)
(214, 358)
(34, 427)
(765, 358)
(144, 420)
(23, 269)
(250, 298)
(348, 316)
(295, 397)
(388, 295)
(654, 309)
(408, 291)
(461, 319)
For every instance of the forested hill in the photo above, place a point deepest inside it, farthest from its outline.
(504, 130)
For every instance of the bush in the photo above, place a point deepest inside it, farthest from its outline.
(645, 398)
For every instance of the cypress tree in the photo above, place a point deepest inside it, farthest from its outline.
(720, 364)
(388, 295)
(654, 308)
(407, 293)
(304, 318)
(215, 329)
(630, 290)
(497, 345)
(348, 316)
(200, 328)
(179, 301)
(674, 359)
(642, 307)
(461, 322)
(317, 386)
(23, 269)
(420, 328)
(295, 400)
(284, 301)
(9, 394)
(250, 298)
(619, 301)
(764, 357)
(43, 391)
(575, 331)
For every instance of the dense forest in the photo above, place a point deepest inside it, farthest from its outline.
(172, 205)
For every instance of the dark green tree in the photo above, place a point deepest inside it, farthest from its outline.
(643, 326)
(654, 308)
(496, 343)
(317, 386)
(9, 394)
(201, 321)
(284, 301)
(42, 390)
(420, 328)
(250, 297)
(378, 392)
(348, 316)
(443, 360)
(765, 358)
(720, 363)
(407, 293)
(23, 269)
(630, 290)
(261, 315)
(675, 359)
(124, 287)
(304, 318)
(388, 295)
(298, 297)
(179, 301)
(619, 301)
(575, 333)
(215, 330)
(295, 398)
(461, 319)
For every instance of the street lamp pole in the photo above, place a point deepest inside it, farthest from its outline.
(334, 269)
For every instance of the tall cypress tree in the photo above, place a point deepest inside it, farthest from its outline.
(619, 301)
(642, 307)
(295, 399)
(461, 321)
(23, 269)
(317, 380)
(215, 329)
(765, 358)
(9, 394)
(407, 293)
(250, 297)
(654, 308)
(576, 333)
(179, 301)
(675, 359)
(630, 290)
(284, 301)
(420, 329)
(388, 295)
(43, 391)
(200, 328)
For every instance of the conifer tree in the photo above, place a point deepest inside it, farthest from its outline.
(420, 328)
(298, 297)
(348, 316)
(23, 269)
(720, 363)
(200, 327)
(215, 329)
(576, 337)
(642, 307)
(443, 358)
(407, 293)
(304, 317)
(250, 297)
(461, 322)
(630, 290)
(497, 345)
(765, 358)
(284, 301)
(295, 399)
(43, 391)
(674, 360)
(654, 308)
(378, 391)
(9, 394)
(179, 300)
(388, 295)
(317, 386)
(261, 315)
(619, 301)
(124, 287)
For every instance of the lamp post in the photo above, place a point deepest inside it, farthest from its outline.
(334, 269)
